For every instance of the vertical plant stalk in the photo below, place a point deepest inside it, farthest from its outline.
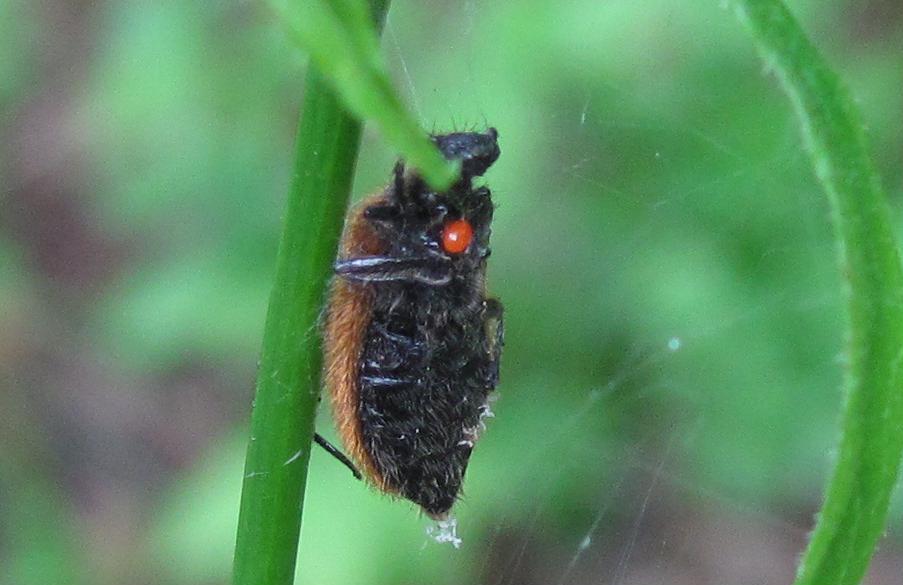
(853, 516)
(288, 379)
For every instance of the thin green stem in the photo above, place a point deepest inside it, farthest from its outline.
(288, 380)
(857, 498)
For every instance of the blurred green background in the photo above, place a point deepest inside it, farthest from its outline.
(671, 380)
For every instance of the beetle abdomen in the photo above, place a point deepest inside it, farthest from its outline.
(422, 392)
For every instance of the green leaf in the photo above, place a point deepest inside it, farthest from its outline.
(855, 509)
(288, 379)
(343, 43)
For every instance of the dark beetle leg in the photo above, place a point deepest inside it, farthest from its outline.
(424, 269)
(384, 381)
(494, 326)
(404, 342)
(333, 450)
(494, 309)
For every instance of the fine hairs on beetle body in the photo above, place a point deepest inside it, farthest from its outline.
(412, 342)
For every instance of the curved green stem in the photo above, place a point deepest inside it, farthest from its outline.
(855, 509)
(288, 380)
(341, 40)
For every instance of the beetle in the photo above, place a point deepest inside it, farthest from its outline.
(412, 342)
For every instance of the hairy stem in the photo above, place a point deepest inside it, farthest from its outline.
(853, 516)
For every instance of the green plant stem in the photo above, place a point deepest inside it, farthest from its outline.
(857, 498)
(288, 380)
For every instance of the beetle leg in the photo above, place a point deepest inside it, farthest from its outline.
(385, 381)
(334, 451)
(391, 350)
(432, 270)
(494, 327)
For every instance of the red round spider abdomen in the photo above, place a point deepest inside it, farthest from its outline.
(456, 236)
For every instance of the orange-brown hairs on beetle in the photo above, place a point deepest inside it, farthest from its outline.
(412, 342)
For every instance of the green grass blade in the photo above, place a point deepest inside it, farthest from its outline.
(344, 44)
(855, 509)
(288, 380)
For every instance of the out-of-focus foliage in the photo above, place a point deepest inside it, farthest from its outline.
(670, 388)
